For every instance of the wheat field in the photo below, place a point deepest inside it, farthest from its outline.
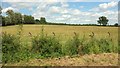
(64, 32)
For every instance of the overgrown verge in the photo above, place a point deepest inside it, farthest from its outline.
(12, 49)
(44, 46)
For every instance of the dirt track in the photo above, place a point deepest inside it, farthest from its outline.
(106, 59)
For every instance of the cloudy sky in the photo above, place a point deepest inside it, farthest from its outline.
(75, 12)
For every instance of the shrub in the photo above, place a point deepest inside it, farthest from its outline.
(47, 46)
(71, 46)
(90, 46)
(105, 46)
(10, 46)
(95, 46)
(12, 50)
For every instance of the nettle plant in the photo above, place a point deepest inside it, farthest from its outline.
(12, 49)
(71, 46)
(10, 46)
(46, 46)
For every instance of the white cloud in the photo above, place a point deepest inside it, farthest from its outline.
(6, 9)
(64, 4)
(64, 11)
(58, 0)
(76, 12)
(60, 18)
(96, 15)
(87, 20)
(104, 6)
(60, 13)
(108, 5)
(66, 16)
(55, 9)
(110, 12)
(50, 1)
(21, 5)
(18, 1)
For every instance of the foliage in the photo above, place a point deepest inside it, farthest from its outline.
(116, 24)
(18, 18)
(10, 46)
(0, 9)
(28, 19)
(43, 20)
(103, 20)
(37, 21)
(96, 46)
(47, 46)
(12, 49)
(14, 18)
(71, 46)
(44, 46)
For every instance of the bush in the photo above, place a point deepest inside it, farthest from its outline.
(44, 46)
(107, 46)
(89, 46)
(10, 46)
(71, 46)
(13, 50)
(47, 46)
(95, 46)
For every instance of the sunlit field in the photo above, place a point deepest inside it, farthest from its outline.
(64, 33)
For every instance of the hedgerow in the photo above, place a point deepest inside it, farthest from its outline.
(44, 46)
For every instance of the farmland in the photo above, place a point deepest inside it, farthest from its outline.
(65, 33)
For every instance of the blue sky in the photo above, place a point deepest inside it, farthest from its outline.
(66, 12)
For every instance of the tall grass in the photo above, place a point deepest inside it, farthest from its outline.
(44, 45)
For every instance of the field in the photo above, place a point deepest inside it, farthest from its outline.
(64, 33)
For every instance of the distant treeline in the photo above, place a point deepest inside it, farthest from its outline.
(15, 18)
(50, 23)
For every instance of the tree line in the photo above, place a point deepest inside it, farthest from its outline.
(15, 18)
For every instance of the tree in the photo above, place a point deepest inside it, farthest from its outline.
(28, 19)
(103, 21)
(7, 21)
(0, 10)
(18, 18)
(3, 21)
(43, 20)
(116, 24)
(0, 15)
(11, 16)
(37, 21)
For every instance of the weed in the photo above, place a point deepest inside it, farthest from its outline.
(71, 46)
(47, 46)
